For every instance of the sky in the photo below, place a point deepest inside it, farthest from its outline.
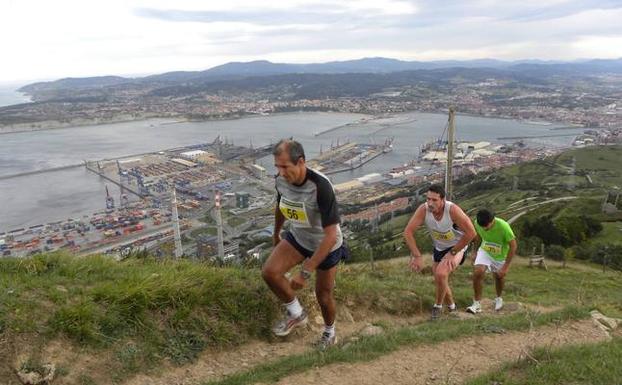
(45, 40)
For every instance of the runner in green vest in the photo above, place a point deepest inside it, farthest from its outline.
(496, 245)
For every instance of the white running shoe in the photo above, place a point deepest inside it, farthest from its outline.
(436, 313)
(498, 303)
(325, 341)
(475, 308)
(285, 326)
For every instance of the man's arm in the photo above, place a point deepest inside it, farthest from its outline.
(413, 224)
(508, 258)
(327, 204)
(324, 248)
(279, 220)
(464, 223)
(476, 243)
(310, 265)
(329, 214)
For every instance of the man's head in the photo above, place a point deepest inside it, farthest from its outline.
(435, 197)
(485, 218)
(289, 159)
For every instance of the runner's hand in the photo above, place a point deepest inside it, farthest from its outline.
(416, 263)
(297, 282)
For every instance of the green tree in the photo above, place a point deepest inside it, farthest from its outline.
(555, 252)
(543, 228)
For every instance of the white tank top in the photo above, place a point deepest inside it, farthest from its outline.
(443, 233)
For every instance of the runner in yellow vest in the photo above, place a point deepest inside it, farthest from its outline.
(306, 203)
(496, 245)
(451, 231)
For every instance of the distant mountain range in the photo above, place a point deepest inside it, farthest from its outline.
(237, 70)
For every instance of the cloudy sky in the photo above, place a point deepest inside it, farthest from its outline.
(51, 39)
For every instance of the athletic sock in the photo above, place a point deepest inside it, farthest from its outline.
(293, 308)
(452, 306)
(329, 329)
(438, 306)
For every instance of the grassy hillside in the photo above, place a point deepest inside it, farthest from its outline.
(561, 189)
(135, 314)
(582, 364)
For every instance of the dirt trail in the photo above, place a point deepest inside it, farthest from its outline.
(451, 362)
(216, 365)
(213, 365)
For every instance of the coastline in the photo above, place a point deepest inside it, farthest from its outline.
(56, 125)
(10, 97)
(504, 117)
(47, 125)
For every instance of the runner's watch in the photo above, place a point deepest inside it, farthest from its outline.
(453, 252)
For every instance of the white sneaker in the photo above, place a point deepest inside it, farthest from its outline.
(285, 326)
(498, 303)
(475, 308)
(325, 341)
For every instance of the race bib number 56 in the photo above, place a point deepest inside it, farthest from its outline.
(294, 211)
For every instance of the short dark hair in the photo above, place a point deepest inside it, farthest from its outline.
(293, 148)
(484, 217)
(437, 188)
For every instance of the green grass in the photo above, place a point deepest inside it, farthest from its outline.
(369, 348)
(144, 311)
(596, 364)
(612, 233)
(203, 231)
(585, 205)
(499, 200)
(411, 293)
(591, 158)
(397, 224)
(601, 163)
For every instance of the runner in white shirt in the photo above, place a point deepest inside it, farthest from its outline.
(451, 231)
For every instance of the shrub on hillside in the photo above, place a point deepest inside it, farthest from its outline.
(566, 230)
(555, 252)
(609, 255)
(529, 246)
(543, 228)
(482, 185)
(583, 251)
